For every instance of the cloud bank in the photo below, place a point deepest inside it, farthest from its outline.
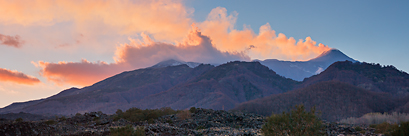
(164, 25)
(17, 77)
(13, 41)
(138, 54)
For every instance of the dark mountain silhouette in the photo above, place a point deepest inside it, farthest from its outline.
(298, 70)
(213, 87)
(372, 77)
(112, 93)
(222, 87)
(336, 100)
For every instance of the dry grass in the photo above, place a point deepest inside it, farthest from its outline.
(378, 118)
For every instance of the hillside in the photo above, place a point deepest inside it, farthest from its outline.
(336, 100)
(222, 87)
(372, 77)
(112, 93)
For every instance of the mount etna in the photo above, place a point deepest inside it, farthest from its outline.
(339, 87)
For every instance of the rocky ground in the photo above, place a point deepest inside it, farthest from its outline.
(202, 122)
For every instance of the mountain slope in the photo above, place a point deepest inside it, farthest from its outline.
(372, 77)
(112, 93)
(298, 70)
(222, 87)
(336, 100)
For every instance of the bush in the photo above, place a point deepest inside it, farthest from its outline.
(50, 122)
(19, 120)
(136, 114)
(192, 110)
(401, 130)
(298, 122)
(128, 130)
(182, 115)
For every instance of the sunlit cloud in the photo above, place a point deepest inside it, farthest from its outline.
(165, 19)
(266, 44)
(138, 54)
(14, 41)
(17, 77)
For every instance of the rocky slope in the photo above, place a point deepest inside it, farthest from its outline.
(373, 77)
(336, 100)
(201, 122)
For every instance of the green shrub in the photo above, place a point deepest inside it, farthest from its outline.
(358, 128)
(63, 118)
(50, 122)
(401, 130)
(192, 110)
(136, 114)
(297, 122)
(128, 130)
(19, 120)
(385, 128)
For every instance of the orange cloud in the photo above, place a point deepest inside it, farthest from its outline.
(78, 73)
(165, 19)
(138, 54)
(17, 77)
(266, 44)
(14, 41)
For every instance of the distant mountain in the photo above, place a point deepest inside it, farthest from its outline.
(222, 87)
(368, 76)
(298, 70)
(335, 100)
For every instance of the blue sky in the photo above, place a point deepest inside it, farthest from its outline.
(373, 31)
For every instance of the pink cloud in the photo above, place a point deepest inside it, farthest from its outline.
(138, 54)
(17, 77)
(14, 41)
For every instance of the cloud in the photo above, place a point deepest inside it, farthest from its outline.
(138, 54)
(220, 27)
(165, 19)
(14, 41)
(78, 73)
(17, 77)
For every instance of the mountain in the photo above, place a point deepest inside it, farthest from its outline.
(222, 87)
(335, 100)
(112, 93)
(167, 84)
(298, 70)
(368, 76)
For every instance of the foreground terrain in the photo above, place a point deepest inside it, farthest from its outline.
(193, 122)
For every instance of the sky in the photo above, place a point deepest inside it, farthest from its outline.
(47, 46)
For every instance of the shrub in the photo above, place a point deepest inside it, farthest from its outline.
(358, 128)
(19, 120)
(192, 110)
(136, 114)
(401, 130)
(50, 122)
(297, 122)
(182, 115)
(63, 118)
(128, 130)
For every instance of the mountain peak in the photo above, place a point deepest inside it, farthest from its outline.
(173, 62)
(332, 55)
